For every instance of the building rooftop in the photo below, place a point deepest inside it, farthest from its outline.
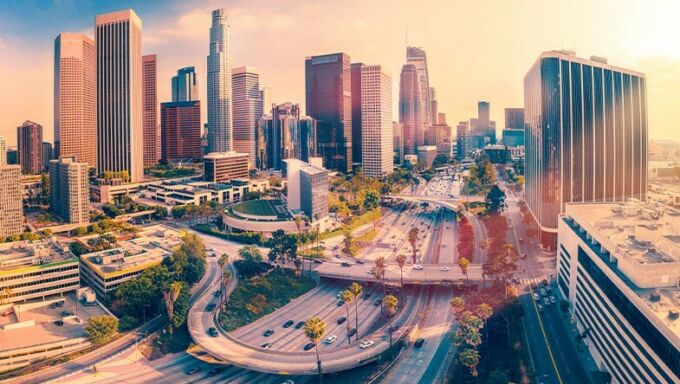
(23, 256)
(224, 155)
(150, 247)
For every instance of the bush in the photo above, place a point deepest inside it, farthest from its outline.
(127, 323)
(101, 329)
(250, 238)
(247, 268)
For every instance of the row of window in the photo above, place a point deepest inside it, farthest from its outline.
(39, 273)
(42, 281)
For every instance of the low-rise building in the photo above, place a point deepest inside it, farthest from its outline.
(426, 155)
(198, 192)
(36, 270)
(619, 267)
(105, 270)
(219, 167)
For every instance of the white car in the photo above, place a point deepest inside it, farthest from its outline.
(417, 267)
(366, 344)
(445, 269)
(329, 340)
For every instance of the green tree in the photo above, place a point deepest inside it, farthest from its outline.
(314, 329)
(101, 329)
(401, 262)
(348, 243)
(356, 289)
(78, 248)
(170, 295)
(181, 307)
(412, 239)
(390, 303)
(250, 253)
(495, 200)
(371, 199)
(470, 358)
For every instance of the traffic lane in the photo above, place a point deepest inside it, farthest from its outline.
(538, 349)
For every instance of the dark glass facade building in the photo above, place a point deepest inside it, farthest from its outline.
(181, 130)
(328, 92)
(285, 135)
(586, 135)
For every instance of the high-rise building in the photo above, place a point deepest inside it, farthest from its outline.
(356, 112)
(12, 155)
(283, 135)
(417, 57)
(482, 129)
(220, 131)
(307, 188)
(434, 107)
(69, 190)
(12, 217)
(398, 142)
(411, 109)
(47, 154)
(462, 140)
(441, 137)
(3, 151)
(586, 135)
(328, 92)
(120, 133)
(185, 85)
(247, 105)
(152, 133)
(265, 101)
(514, 118)
(75, 95)
(376, 121)
(220, 167)
(181, 130)
(618, 265)
(29, 146)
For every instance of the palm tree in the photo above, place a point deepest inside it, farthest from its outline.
(298, 222)
(379, 273)
(227, 276)
(401, 262)
(458, 305)
(412, 239)
(315, 328)
(170, 295)
(356, 290)
(484, 311)
(222, 262)
(470, 358)
(318, 229)
(390, 302)
(463, 263)
(298, 265)
(347, 296)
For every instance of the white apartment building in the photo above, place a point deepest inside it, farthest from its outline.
(377, 145)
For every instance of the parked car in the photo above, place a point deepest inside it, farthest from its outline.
(213, 332)
(366, 344)
(288, 324)
(330, 339)
(288, 382)
(59, 323)
(308, 346)
(60, 304)
(217, 293)
(543, 292)
(419, 343)
(210, 307)
(360, 262)
(341, 319)
(299, 325)
(268, 333)
(366, 295)
(352, 332)
(266, 345)
(66, 313)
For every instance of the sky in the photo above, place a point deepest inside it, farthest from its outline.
(477, 50)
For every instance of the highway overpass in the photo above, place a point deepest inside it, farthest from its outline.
(431, 274)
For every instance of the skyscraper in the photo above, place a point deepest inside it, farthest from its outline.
(152, 134)
(29, 145)
(245, 82)
(285, 134)
(398, 142)
(47, 154)
(120, 133)
(434, 107)
(69, 190)
(417, 57)
(586, 135)
(3, 151)
(328, 93)
(185, 85)
(411, 109)
(356, 112)
(75, 94)
(181, 130)
(514, 118)
(482, 129)
(12, 217)
(376, 121)
(462, 140)
(220, 132)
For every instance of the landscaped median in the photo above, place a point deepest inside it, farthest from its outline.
(355, 222)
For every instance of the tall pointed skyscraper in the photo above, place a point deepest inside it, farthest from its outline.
(219, 84)
(417, 57)
(120, 133)
(411, 109)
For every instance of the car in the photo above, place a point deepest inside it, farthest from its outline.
(543, 292)
(445, 269)
(549, 289)
(192, 370)
(266, 345)
(53, 305)
(217, 293)
(60, 304)
(352, 332)
(376, 302)
(59, 323)
(360, 262)
(553, 299)
(419, 343)
(417, 267)
(546, 301)
(213, 332)
(345, 264)
(317, 261)
(308, 346)
(210, 307)
(268, 333)
(330, 339)
(215, 371)
(288, 382)
(366, 344)
(340, 303)
(366, 295)
(288, 323)
(338, 295)
(342, 319)
(66, 313)
(540, 307)
(299, 325)
(537, 297)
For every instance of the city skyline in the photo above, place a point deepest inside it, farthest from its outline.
(179, 35)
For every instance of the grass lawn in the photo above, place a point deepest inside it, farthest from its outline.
(255, 207)
(355, 223)
(262, 295)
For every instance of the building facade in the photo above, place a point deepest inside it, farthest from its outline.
(185, 85)
(307, 188)
(120, 132)
(462, 140)
(411, 106)
(220, 116)
(247, 109)
(619, 267)
(152, 133)
(75, 95)
(356, 112)
(426, 155)
(47, 154)
(223, 166)
(3, 151)
(328, 93)
(418, 58)
(12, 217)
(376, 121)
(513, 137)
(586, 135)
(29, 146)
(181, 130)
(514, 118)
(285, 134)
(398, 142)
(69, 190)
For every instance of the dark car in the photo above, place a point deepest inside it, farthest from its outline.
(215, 371)
(345, 264)
(342, 319)
(217, 293)
(340, 303)
(360, 262)
(318, 261)
(352, 331)
(66, 313)
(59, 323)
(213, 332)
(419, 343)
(60, 304)
(308, 346)
(288, 323)
(210, 307)
(268, 333)
(366, 295)
(192, 370)
(299, 325)
(266, 345)
(376, 302)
